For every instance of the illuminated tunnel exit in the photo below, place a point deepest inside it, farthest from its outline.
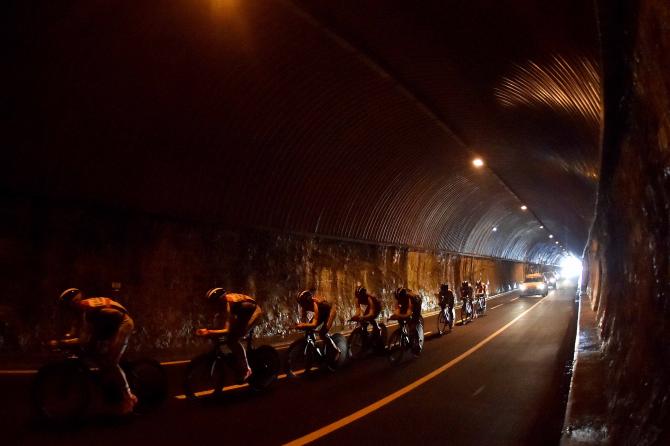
(433, 223)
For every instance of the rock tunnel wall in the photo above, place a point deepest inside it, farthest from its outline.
(163, 268)
(627, 258)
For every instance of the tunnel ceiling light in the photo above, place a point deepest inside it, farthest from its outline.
(557, 242)
(551, 236)
(478, 162)
(524, 207)
(541, 226)
(495, 228)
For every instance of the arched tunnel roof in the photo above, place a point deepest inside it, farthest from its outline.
(346, 119)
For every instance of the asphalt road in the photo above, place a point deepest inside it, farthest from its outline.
(498, 380)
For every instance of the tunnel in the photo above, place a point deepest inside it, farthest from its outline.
(156, 150)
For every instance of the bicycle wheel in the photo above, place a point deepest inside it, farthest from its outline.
(61, 391)
(442, 323)
(357, 341)
(300, 358)
(379, 342)
(265, 365)
(334, 360)
(148, 381)
(396, 347)
(418, 338)
(204, 377)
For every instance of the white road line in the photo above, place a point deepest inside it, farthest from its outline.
(342, 422)
(493, 308)
(233, 387)
(514, 299)
(478, 391)
(18, 372)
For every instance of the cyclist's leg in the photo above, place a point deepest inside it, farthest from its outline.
(112, 356)
(328, 320)
(371, 316)
(246, 315)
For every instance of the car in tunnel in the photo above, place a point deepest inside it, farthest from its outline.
(534, 284)
(552, 279)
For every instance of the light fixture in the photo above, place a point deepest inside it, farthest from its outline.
(495, 228)
(524, 207)
(477, 162)
(541, 226)
(557, 242)
(551, 236)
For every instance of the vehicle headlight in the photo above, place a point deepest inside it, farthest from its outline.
(541, 286)
(522, 287)
(552, 280)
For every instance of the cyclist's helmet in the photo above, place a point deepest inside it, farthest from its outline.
(67, 295)
(214, 294)
(361, 292)
(304, 297)
(400, 292)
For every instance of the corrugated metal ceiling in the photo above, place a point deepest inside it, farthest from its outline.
(350, 120)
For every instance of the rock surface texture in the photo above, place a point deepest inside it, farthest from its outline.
(628, 268)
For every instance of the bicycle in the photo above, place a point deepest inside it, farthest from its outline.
(480, 306)
(66, 389)
(205, 375)
(401, 341)
(467, 312)
(362, 341)
(445, 320)
(303, 354)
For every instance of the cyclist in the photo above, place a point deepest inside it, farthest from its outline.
(467, 295)
(103, 330)
(373, 307)
(447, 299)
(408, 308)
(480, 294)
(323, 315)
(239, 313)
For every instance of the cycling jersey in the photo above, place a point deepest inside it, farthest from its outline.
(376, 304)
(403, 303)
(447, 299)
(102, 317)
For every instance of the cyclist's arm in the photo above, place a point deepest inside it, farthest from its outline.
(371, 307)
(359, 312)
(398, 315)
(79, 333)
(314, 321)
(226, 325)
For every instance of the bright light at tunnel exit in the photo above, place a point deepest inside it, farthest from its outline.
(571, 267)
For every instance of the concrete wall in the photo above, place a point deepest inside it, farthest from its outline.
(163, 268)
(628, 266)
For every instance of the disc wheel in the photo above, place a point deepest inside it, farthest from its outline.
(442, 323)
(335, 359)
(357, 341)
(148, 381)
(204, 377)
(265, 365)
(396, 348)
(61, 391)
(300, 358)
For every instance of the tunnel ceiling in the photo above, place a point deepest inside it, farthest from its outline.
(350, 119)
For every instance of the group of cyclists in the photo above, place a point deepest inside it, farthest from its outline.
(104, 326)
